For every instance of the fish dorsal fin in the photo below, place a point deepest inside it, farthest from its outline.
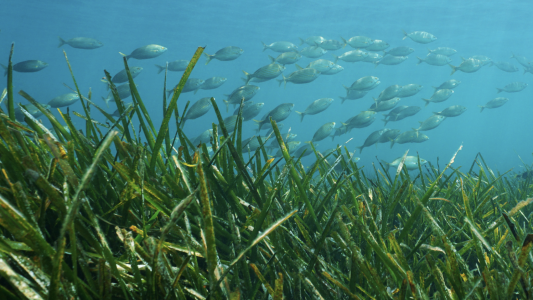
(298, 67)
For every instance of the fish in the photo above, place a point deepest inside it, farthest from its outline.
(291, 147)
(395, 111)
(521, 60)
(321, 65)
(411, 136)
(450, 84)
(470, 65)
(231, 123)
(122, 76)
(286, 58)
(378, 45)
(373, 57)
(505, 66)
(389, 93)
(316, 107)
(389, 135)
(353, 95)
(352, 56)
(270, 129)
(313, 52)
(225, 54)
(334, 70)
(116, 113)
(331, 45)
(301, 76)
(399, 51)
(312, 40)
(430, 123)
(364, 83)
(146, 52)
(402, 114)
(251, 144)
(192, 84)
(443, 51)
(81, 43)
(452, 111)
(410, 163)
(323, 132)
(64, 100)
(494, 103)
(278, 114)
(421, 37)
(204, 137)
(250, 110)
(363, 119)
(484, 59)
(267, 72)
(198, 109)
(287, 137)
(123, 92)
(435, 59)
(280, 47)
(27, 66)
(409, 90)
(246, 91)
(384, 105)
(359, 41)
(439, 96)
(513, 87)
(30, 108)
(391, 60)
(372, 139)
(213, 83)
(305, 150)
(174, 66)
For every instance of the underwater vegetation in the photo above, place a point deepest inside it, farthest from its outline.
(109, 212)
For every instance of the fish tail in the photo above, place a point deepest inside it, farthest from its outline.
(302, 115)
(392, 143)
(272, 59)
(416, 129)
(126, 56)
(347, 89)
(106, 100)
(404, 34)
(429, 50)
(499, 90)
(482, 107)
(227, 105)
(453, 68)
(61, 42)
(336, 58)
(376, 63)
(169, 92)
(302, 41)
(209, 58)
(386, 121)
(436, 113)
(160, 69)
(343, 99)
(360, 149)
(280, 81)
(5, 68)
(265, 46)
(436, 88)
(248, 77)
(344, 41)
(260, 124)
(426, 100)
(420, 60)
(284, 81)
(386, 164)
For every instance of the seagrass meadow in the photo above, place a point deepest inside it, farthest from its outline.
(111, 212)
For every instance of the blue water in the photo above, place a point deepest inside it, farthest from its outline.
(492, 28)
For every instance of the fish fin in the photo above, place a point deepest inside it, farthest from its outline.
(298, 67)
(160, 69)
(265, 46)
(209, 58)
(347, 89)
(436, 88)
(463, 58)
(343, 99)
(227, 104)
(360, 148)
(392, 143)
(376, 63)
(302, 115)
(272, 59)
(436, 113)
(248, 77)
(106, 100)
(169, 92)
(302, 41)
(482, 107)
(336, 58)
(453, 68)
(404, 34)
(499, 90)
(284, 81)
(61, 42)
(386, 164)
(386, 121)
(5, 68)
(429, 50)
(420, 60)
(344, 41)
(426, 100)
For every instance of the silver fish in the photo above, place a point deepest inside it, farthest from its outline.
(280, 47)
(321, 65)
(122, 76)
(213, 83)
(505, 66)
(452, 111)
(192, 84)
(81, 43)
(174, 66)
(421, 37)
(246, 91)
(316, 107)
(323, 132)
(410, 163)
(250, 110)
(384, 105)
(409, 90)
(300, 76)
(286, 58)
(267, 72)
(435, 59)
(353, 95)
(513, 87)
(443, 51)
(225, 54)
(364, 83)
(198, 109)
(27, 66)
(332, 45)
(33, 110)
(450, 84)
(278, 114)
(146, 52)
(391, 60)
(64, 100)
(359, 41)
(334, 70)
(439, 96)
(399, 51)
(470, 65)
(521, 60)
(372, 139)
(494, 103)
(411, 136)
(312, 40)
(352, 56)
(313, 52)
(389, 93)
(378, 45)
(123, 92)
(430, 123)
